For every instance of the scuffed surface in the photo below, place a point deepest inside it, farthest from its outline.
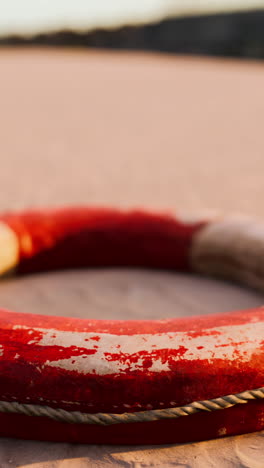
(61, 126)
(128, 293)
(162, 364)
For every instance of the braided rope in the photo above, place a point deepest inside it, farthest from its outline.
(107, 419)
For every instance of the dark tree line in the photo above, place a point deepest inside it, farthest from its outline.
(229, 35)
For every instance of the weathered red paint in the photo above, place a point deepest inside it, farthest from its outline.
(26, 378)
(123, 366)
(85, 237)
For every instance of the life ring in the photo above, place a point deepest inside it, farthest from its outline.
(131, 382)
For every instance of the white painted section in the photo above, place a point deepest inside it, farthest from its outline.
(232, 343)
(232, 248)
(9, 248)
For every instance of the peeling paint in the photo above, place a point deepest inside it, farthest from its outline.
(111, 354)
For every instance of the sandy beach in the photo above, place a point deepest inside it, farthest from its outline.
(130, 130)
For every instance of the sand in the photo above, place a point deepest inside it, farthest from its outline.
(131, 130)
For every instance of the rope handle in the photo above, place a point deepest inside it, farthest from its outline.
(108, 419)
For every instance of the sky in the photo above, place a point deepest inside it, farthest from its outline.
(31, 16)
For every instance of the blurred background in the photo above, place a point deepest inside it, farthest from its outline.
(231, 28)
(150, 104)
(154, 103)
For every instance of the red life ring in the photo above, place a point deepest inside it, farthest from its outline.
(131, 382)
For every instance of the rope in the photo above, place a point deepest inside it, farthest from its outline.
(107, 419)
